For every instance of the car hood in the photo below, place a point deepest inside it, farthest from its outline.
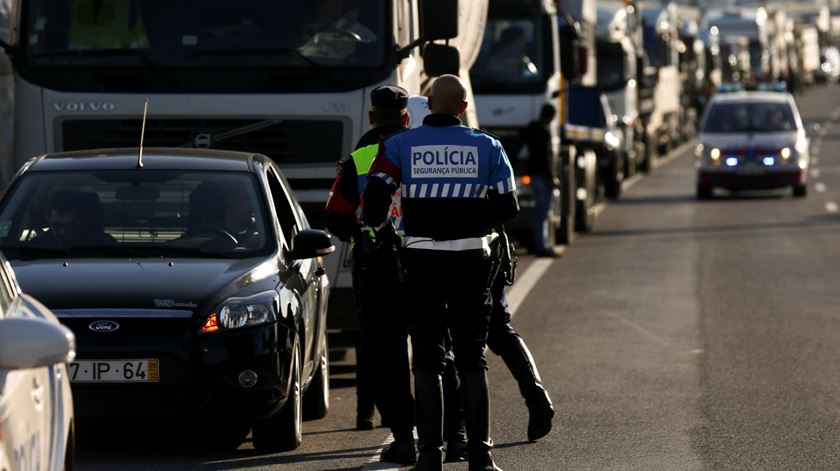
(772, 140)
(194, 285)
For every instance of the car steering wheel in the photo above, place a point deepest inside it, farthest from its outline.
(214, 231)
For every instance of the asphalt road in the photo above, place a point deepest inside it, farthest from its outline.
(678, 335)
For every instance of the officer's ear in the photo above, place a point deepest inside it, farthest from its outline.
(462, 108)
(404, 119)
(371, 119)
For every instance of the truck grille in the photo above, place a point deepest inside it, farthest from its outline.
(285, 141)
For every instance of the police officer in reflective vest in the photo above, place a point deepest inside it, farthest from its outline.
(382, 363)
(456, 184)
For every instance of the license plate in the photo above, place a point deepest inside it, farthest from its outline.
(751, 170)
(114, 371)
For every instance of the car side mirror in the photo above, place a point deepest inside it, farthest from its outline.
(31, 343)
(311, 243)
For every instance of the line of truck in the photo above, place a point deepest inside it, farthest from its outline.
(291, 79)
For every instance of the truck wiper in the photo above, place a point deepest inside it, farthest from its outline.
(141, 54)
(273, 50)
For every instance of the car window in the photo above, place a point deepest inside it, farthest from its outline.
(750, 117)
(286, 213)
(162, 211)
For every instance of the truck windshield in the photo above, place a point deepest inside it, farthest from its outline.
(511, 57)
(611, 59)
(750, 117)
(306, 40)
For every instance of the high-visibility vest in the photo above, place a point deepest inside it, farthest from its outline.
(362, 160)
(113, 25)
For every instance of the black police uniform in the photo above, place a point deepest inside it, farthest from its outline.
(456, 184)
(382, 363)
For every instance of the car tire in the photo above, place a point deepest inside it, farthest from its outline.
(800, 191)
(612, 182)
(283, 431)
(316, 401)
(704, 192)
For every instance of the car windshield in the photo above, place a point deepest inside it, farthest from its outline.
(149, 213)
(750, 117)
(216, 33)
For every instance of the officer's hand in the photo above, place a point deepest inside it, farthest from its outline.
(556, 182)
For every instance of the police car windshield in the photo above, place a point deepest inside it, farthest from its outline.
(144, 213)
(330, 33)
(750, 117)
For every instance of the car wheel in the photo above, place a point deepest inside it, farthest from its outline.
(612, 183)
(316, 402)
(283, 431)
(646, 152)
(704, 192)
(800, 191)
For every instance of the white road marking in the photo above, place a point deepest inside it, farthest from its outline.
(815, 173)
(820, 187)
(831, 207)
(638, 328)
(674, 154)
(627, 184)
(526, 282)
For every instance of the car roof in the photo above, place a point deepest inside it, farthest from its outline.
(154, 158)
(754, 96)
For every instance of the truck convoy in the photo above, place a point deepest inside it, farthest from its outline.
(287, 79)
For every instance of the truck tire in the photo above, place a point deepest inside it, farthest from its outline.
(646, 153)
(613, 178)
(588, 181)
(566, 228)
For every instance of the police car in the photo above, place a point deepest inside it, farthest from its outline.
(192, 281)
(36, 408)
(752, 140)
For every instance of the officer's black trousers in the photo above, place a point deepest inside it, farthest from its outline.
(447, 289)
(383, 349)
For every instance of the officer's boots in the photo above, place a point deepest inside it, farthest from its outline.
(518, 359)
(476, 404)
(429, 399)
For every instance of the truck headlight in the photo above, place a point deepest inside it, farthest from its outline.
(249, 311)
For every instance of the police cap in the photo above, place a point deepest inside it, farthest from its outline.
(389, 96)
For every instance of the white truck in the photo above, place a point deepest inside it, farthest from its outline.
(754, 24)
(660, 37)
(285, 78)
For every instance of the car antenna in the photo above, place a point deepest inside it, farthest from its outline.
(142, 134)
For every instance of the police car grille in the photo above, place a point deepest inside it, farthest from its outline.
(136, 329)
(285, 141)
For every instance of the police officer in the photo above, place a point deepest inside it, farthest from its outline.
(382, 363)
(456, 184)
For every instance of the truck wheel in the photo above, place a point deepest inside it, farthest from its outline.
(283, 431)
(612, 182)
(704, 192)
(566, 226)
(316, 402)
(584, 208)
(646, 153)
(800, 191)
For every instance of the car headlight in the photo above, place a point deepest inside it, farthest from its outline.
(249, 311)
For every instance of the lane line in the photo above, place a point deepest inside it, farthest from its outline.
(526, 282)
(674, 154)
(638, 328)
(831, 207)
(820, 187)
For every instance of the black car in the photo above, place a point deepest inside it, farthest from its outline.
(191, 279)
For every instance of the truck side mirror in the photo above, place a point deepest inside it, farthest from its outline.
(570, 49)
(438, 19)
(439, 59)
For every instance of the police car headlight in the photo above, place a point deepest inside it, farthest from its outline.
(248, 311)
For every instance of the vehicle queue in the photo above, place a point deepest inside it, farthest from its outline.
(176, 342)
